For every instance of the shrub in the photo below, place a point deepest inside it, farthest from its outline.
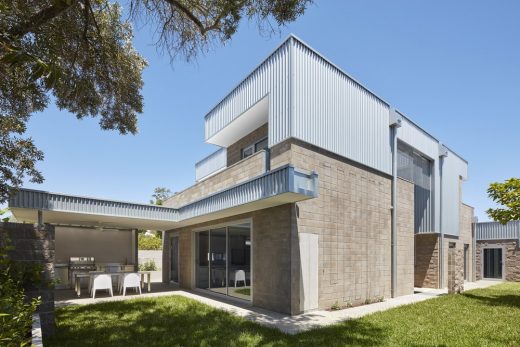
(15, 313)
(149, 243)
(148, 265)
(335, 306)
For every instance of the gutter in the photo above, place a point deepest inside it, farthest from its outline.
(395, 123)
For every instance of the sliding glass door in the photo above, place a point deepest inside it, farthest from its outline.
(223, 260)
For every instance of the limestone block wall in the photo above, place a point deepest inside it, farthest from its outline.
(511, 254)
(352, 218)
(238, 172)
(234, 152)
(405, 238)
(455, 275)
(275, 270)
(466, 238)
(426, 271)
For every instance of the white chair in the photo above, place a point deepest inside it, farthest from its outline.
(131, 280)
(101, 282)
(240, 275)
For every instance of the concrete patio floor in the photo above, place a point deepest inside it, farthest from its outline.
(283, 322)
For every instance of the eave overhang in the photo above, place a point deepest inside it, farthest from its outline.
(277, 187)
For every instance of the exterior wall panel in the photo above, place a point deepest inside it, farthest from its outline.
(454, 170)
(271, 78)
(497, 231)
(211, 164)
(334, 112)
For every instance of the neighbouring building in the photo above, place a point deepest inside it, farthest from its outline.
(498, 251)
(320, 192)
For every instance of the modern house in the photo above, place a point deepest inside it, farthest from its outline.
(320, 192)
(498, 251)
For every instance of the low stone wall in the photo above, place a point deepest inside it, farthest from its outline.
(511, 250)
(34, 244)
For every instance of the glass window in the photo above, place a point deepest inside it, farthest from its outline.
(260, 145)
(248, 151)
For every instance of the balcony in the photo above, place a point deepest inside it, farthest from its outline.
(210, 165)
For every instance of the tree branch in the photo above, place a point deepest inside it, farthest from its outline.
(41, 18)
(189, 14)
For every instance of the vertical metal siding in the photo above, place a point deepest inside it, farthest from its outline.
(497, 231)
(214, 162)
(271, 78)
(453, 169)
(336, 113)
(417, 169)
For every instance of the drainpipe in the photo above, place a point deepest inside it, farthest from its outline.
(443, 153)
(395, 123)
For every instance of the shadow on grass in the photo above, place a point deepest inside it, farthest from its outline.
(507, 300)
(178, 321)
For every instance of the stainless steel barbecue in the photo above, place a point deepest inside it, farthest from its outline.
(80, 265)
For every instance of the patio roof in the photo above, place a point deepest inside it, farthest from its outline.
(280, 186)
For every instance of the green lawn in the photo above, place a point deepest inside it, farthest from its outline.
(485, 317)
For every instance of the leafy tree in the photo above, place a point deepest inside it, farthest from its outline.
(160, 195)
(506, 194)
(79, 53)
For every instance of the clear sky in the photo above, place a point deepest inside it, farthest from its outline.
(451, 66)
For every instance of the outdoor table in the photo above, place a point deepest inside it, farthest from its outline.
(148, 275)
(78, 277)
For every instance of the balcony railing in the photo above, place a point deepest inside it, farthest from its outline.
(210, 165)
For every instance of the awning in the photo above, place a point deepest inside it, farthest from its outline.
(277, 187)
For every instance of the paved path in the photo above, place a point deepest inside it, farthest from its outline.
(286, 323)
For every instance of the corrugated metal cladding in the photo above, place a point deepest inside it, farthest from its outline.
(417, 169)
(212, 163)
(336, 113)
(40, 200)
(497, 231)
(271, 78)
(453, 171)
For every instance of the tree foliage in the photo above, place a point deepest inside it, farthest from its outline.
(160, 195)
(79, 54)
(15, 312)
(507, 194)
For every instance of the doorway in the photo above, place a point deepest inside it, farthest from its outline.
(493, 263)
(223, 260)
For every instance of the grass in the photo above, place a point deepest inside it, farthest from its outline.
(484, 317)
(243, 291)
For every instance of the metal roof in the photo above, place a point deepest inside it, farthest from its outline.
(282, 185)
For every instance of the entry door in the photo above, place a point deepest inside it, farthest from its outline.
(493, 263)
(175, 259)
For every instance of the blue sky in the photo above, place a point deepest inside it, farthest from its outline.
(451, 66)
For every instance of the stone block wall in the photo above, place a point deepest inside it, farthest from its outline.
(275, 278)
(466, 237)
(511, 254)
(238, 172)
(405, 238)
(35, 245)
(455, 271)
(234, 152)
(352, 217)
(426, 272)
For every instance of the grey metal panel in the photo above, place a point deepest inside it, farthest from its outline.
(272, 183)
(417, 169)
(40, 200)
(283, 180)
(336, 113)
(454, 170)
(214, 162)
(497, 231)
(270, 78)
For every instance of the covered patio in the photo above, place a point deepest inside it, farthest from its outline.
(96, 236)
